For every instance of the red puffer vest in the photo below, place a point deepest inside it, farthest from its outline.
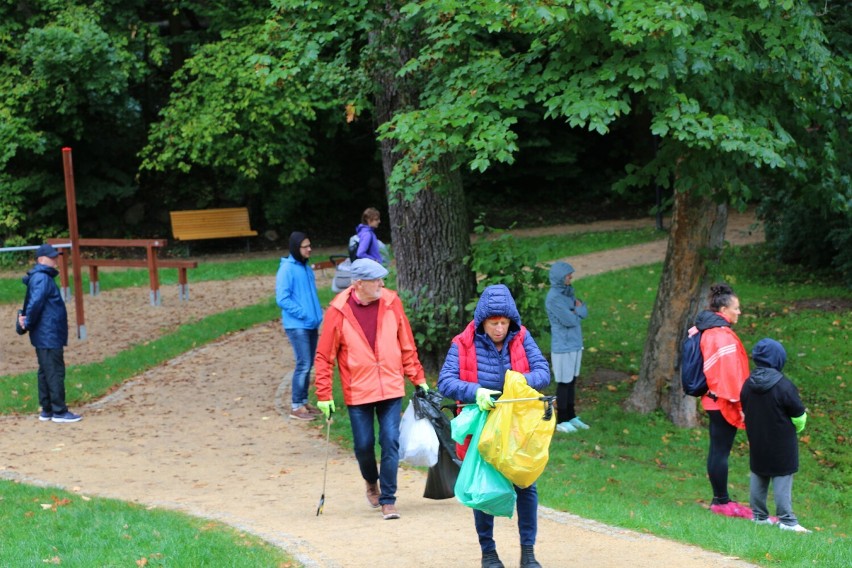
(468, 365)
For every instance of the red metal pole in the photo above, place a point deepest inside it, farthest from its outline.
(71, 201)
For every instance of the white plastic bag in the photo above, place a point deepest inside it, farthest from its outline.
(418, 442)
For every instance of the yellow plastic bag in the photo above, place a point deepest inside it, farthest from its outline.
(516, 436)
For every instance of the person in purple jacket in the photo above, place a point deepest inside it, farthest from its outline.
(369, 245)
(474, 370)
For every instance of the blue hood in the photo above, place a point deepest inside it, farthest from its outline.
(769, 353)
(497, 300)
(558, 272)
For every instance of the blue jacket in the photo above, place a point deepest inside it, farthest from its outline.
(47, 318)
(296, 295)
(492, 364)
(368, 244)
(565, 316)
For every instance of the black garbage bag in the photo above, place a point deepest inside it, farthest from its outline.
(441, 481)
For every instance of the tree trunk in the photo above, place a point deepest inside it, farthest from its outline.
(429, 233)
(696, 239)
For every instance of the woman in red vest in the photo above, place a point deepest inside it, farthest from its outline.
(493, 343)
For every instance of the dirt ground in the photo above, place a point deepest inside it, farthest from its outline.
(207, 433)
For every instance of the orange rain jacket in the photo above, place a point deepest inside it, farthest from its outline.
(726, 369)
(366, 375)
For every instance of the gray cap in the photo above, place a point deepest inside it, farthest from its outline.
(367, 269)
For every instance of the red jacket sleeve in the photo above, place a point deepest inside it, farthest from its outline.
(327, 347)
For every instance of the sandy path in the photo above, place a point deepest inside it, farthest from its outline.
(205, 434)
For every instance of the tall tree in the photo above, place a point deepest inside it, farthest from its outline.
(349, 57)
(732, 89)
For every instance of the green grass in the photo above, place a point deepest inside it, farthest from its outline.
(547, 247)
(640, 472)
(631, 470)
(561, 246)
(105, 532)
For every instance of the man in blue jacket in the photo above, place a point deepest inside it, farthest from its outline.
(301, 315)
(46, 319)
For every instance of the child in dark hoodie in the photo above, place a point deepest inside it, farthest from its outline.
(774, 414)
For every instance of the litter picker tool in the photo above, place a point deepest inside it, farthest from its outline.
(328, 422)
(547, 400)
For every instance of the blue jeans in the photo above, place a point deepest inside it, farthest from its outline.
(527, 505)
(304, 342)
(364, 437)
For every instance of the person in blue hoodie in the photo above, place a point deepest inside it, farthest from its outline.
(301, 315)
(774, 415)
(46, 319)
(474, 371)
(369, 245)
(566, 314)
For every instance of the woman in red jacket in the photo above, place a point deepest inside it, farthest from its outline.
(726, 369)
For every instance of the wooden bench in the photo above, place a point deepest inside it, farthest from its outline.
(181, 265)
(211, 224)
(332, 262)
(151, 262)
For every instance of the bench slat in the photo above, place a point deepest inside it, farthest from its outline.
(211, 224)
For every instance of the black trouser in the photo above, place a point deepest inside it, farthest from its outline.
(721, 441)
(51, 379)
(565, 401)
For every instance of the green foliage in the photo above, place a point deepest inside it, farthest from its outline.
(434, 325)
(48, 526)
(809, 233)
(222, 115)
(497, 261)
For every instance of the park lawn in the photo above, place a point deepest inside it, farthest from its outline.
(86, 531)
(640, 472)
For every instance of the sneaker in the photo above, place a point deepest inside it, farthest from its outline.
(565, 428)
(313, 409)
(578, 424)
(389, 512)
(45, 416)
(795, 528)
(764, 521)
(66, 416)
(373, 494)
(728, 509)
(742, 511)
(302, 413)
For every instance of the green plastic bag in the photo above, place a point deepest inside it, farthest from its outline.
(480, 486)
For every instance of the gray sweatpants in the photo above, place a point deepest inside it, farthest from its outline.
(782, 487)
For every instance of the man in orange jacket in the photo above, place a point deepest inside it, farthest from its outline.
(366, 330)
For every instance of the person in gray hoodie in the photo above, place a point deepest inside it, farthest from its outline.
(774, 415)
(566, 314)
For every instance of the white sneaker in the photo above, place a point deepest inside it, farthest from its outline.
(578, 424)
(795, 528)
(565, 428)
(763, 521)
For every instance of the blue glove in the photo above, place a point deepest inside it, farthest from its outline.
(483, 398)
(327, 408)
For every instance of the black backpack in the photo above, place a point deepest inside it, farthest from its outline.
(692, 364)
